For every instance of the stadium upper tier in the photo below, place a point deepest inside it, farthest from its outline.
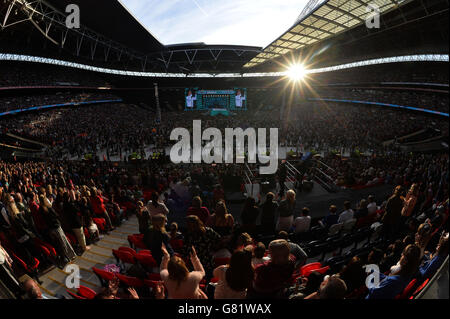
(332, 33)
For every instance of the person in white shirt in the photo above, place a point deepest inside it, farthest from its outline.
(190, 100)
(347, 214)
(155, 206)
(258, 255)
(302, 223)
(7, 276)
(371, 206)
(239, 98)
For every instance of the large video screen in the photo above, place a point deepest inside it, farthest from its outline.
(198, 99)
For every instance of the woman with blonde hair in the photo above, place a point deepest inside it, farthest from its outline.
(180, 283)
(143, 216)
(221, 221)
(286, 211)
(410, 200)
(21, 232)
(50, 193)
(393, 284)
(423, 237)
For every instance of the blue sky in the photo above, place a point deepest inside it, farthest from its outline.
(240, 22)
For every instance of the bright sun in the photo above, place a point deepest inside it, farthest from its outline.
(296, 72)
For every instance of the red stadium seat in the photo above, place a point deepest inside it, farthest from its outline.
(307, 269)
(124, 256)
(419, 289)
(72, 239)
(74, 295)
(146, 260)
(408, 290)
(103, 275)
(137, 241)
(45, 247)
(322, 271)
(128, 249)
(101, 223)
(28, 268)
(144, 252)
(86, 292)
(130, 281)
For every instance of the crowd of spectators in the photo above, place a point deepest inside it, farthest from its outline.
(64, 204)
(413, 98)
(35, 74)
(28, 101)
(50, 211)
(324, 126)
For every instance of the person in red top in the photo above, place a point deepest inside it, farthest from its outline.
(38, 219)
(198, 210)
(99, 208)
(272, 277)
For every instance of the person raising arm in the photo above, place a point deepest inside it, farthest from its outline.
(180, 283)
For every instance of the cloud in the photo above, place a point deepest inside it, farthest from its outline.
(240, 22)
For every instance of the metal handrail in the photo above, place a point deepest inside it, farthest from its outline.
(248, 168)
(324, 174)
(434, 278)
(290, 166)
(328, 167)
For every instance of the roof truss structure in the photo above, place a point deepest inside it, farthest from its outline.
(321, 20)
(87, 44)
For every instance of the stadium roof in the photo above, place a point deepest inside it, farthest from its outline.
(326, 32)
(320, 20)
(113, 20)
(109, 36)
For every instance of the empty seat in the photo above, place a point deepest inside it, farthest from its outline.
(128, 249)
(348, 225)
(137, 241)
(307, 269)
(335, 229)
(86, 292)
(124, 256)
(74, 295)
